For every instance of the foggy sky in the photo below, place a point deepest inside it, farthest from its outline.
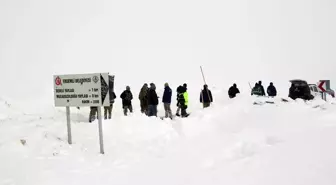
(159, 41)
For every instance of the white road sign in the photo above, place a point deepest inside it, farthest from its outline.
(81, 90)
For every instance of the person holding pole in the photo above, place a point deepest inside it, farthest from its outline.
(206, 97)
(204, 83)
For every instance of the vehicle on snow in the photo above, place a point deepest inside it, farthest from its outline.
(300, 89)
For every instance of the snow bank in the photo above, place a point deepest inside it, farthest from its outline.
(232, 142)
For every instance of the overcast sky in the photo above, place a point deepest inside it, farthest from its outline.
(151, 40)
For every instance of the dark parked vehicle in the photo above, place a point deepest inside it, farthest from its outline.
(300, 89)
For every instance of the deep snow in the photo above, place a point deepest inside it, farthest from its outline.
(233, 142)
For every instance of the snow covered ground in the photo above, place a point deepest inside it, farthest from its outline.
(233, 142)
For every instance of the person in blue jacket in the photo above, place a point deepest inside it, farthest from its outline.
(166, 99)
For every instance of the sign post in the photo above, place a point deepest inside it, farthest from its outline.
(82, 90)
(100, 129)
(323, 86)
(68, 125)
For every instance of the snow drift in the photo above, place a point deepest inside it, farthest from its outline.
(232, 142)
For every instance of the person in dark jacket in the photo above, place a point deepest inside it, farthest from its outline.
(93, 113)
(153, 100)
(262, 88)
(127, 98)
(206, 97)
(179, 90)
(271, 90)
(182, 101)
(233, 91)
(258, 90)
(166, 99)
(108, 109)
(143, 98)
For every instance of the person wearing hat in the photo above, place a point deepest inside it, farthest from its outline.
(206, 96)
(153, 100)
(166, 99)
(233, 91)
(143, 98)
(127, 97)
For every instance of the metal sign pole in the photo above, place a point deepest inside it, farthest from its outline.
(100, 127)
(68, 125)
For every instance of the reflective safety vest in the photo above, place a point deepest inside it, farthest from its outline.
(186, 98)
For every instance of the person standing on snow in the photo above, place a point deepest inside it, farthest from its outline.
(108, 109)
(127, 97)
(206, 97)
(233, 91)
(182, 101)
(143, 98)
(93, 113)
(152, 100)
(166, 99)
(179, 90)
(271, 90)
(258, 90)
(262, 89)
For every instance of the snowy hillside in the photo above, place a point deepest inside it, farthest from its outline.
(233, 142)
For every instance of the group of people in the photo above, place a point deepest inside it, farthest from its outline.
(149, 99)
(259, 90)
